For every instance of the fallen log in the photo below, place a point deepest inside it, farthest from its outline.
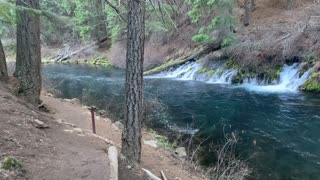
(200, 52)
(65, 57)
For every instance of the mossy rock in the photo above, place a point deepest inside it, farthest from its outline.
(237, 79)
(189, 69)
(220, 72)
(210, 73)
(312, 84)
(203, 70)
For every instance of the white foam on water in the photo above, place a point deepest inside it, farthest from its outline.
(289, 81)
(289, 77)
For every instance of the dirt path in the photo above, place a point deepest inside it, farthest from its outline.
(47, 153)
(153, 159)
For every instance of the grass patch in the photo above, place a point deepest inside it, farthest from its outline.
(12, 164)
(163, 141)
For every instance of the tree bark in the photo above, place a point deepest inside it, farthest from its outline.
(253, 5)
(28, 60)
(246, 19)
(131, 136)
(3, 65)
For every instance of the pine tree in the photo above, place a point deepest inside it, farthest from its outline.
(28, 60)
(131, 136)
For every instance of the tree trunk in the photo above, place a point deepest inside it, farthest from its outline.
(246, 19)
(28, 60)
(253, 5)
(131, 136)
(3, 65)
(100, 29)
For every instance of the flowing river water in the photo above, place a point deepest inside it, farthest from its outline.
(279, 126)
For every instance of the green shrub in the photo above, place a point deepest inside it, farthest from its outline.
(12, 164)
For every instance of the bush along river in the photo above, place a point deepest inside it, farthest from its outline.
(278, 125)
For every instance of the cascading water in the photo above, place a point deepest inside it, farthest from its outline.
(289, 77)
(289, 81)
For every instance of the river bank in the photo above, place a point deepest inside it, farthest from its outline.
(273, 124)
(154, 158)
(58, 143)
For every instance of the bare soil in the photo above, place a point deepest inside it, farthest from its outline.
(153, 159)
(67, 150)
(60, 151)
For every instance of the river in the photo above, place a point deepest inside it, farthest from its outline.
(279, 128)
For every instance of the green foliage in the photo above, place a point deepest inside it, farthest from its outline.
(12, 164)
(220, 72)
(210, 73)
(159, 17)
(163, 141)
(201, 38)
(231, 64)
(222, 20)
(203, 70)
(228, 40)
(312, 84)
(7, 17)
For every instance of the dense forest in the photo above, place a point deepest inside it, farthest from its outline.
(228, 88)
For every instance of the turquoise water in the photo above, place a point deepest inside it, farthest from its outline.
(285, 126)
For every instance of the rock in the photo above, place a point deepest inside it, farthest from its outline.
(78, 130)
(102, 112)
(70, 124)
(118, 125)
(151, 143)
(73, 101)
(39, 124)
(60, 121)
(44, 108)
(68, 130)
(181, 152)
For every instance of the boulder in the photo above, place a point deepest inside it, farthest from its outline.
(181, 152)
(118, 125)
(102, 112)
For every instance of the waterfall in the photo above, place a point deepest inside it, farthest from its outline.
(289, 79)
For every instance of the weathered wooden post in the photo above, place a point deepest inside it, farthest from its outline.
(92, 110)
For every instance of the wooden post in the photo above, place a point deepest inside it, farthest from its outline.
(92, 109)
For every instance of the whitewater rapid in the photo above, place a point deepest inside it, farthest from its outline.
(289, 79)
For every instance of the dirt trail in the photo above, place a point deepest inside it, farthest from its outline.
(47, 153)
(153, 159)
